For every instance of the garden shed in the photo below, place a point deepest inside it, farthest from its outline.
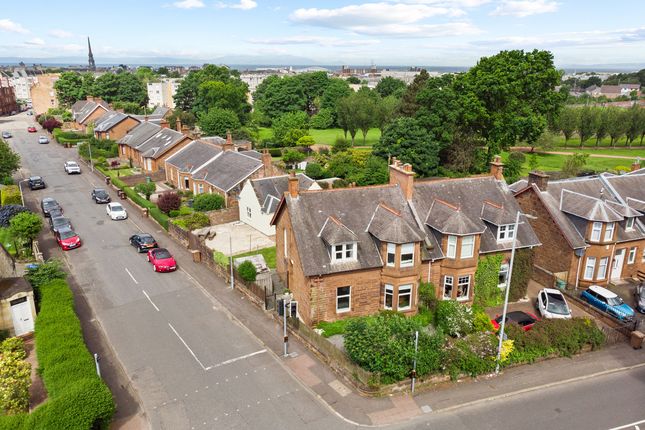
(17, 306)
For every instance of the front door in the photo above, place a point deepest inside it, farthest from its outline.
(617, 264)
(22, 319)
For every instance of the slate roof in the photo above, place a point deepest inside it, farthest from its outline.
(88, 108)
(252, 153)
(588, 208)
(160, 142)
(447, 219)
(270, 190)
(139, 134)
(192, 156)
(387, 225)
(335, 232)
(78, 106)
(629, 186)
(227, 170)
(496, 214)
(160, 111)
(109, 120)
(12, 286)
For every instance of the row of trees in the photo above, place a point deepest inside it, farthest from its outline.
(122, 87)
(601, 122)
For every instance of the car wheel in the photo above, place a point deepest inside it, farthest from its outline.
(140, 250)
(154, 268)
(148, 258)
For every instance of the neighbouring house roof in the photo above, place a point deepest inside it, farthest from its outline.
(519, 185)
(387, 225)
(270, 190)
(109, 120)
(587, 207)
(497, 214)
(629, 186)
(616, 89)
(252, 153)
(88, 108)
(159, 143)
(160, 111)
(447, 219)
(227, 169)
(192, 156)
(78, 106)
(335, 232)
(12, 286)
(139, 134)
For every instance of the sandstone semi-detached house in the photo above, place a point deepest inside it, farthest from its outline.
(592, 229)
(87, 112)
(114, 125)
(355, 251)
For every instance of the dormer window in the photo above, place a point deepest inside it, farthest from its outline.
(596, 228)
(343, 252)
(505, 232)
(629, 224)
(609, 231)
(407, 255)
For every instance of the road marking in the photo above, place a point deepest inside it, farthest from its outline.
(187, 347)
(233, 360)
(150, 300)
(135, 281)
(629, 425)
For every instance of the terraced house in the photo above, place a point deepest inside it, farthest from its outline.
(355, 251)
(87, 112)
(114, 125)
(592, 228)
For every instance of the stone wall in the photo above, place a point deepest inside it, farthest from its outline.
(7, 264)
(223, 216)
(132, 180)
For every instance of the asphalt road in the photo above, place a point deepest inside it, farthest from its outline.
(191, 364)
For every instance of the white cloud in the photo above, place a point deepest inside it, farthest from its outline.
(524, 8)
(448, 3)
(35, 41)
(61, 34)
(12, 27)
(315, 40)
(584, 38)
(189, 4)
(243, 4)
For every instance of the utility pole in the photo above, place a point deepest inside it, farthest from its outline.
(414, 363)
(285, 304)
(230, 250)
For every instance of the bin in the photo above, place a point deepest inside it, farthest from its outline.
(636, 339)
(197, 255)
(560, 284)
(107, 180)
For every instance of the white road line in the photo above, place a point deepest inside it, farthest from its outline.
(135, 281)
(187, 347)
(150, 300)
(629, 425)
(233, 360)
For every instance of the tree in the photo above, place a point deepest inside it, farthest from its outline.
(225, 95)
(69, 88)
(290, 127)
(346, 116)
(634, 125)
(601, 124)
(276, 96)
(374, 171)
(587, 123)
(187, 118)
(411, 143)
(122, 87)
(336, 89)
(315, 171)
(169, 201)
(409, 105)
(291, 157)
(25, 226)
(513, 166)
(313, 85)
(306, 141)
(364, 111)
(9, 160)
(389, 86)
(218, 121)
(385, 111)
(208, 202)
(568, 122)
(353, 80)
(247, 271)
(616, 123)
(186, 94)
(50, 124)
(573, 164)
(146, 188)
(323, 119)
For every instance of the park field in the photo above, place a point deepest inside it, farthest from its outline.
(328, 136)
(552, 162)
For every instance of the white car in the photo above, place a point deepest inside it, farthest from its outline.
(116, 211)
(72, 167)
(551, 304)
(43, 139)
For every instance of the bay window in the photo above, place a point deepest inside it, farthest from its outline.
(602, 268)
(407, 254)
(405, 298)
(467, 246)
(463, 287)
(609, 231)
(590, 267)
(387, 299)
(391, 254)
(451, 252)
(596, 228)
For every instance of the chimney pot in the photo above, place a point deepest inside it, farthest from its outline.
(403, 176)
(178, 125)
(636, 164)
(497, 168)
(163, 123)
(293, 185)
(540, 179)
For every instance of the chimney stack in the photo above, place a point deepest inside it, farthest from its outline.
(163, 123)
(89, 98)
(497, 168)
(293, 185)
(228, 146)
(267, 163)
(403, 176)
(178, 125)
(540, 179)
(636, 164)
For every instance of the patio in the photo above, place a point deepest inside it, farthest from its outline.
(244, 238)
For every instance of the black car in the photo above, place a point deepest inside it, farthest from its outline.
(59, 222)
(36, 183)
(143, 242)
(99, 195)
(48, 205)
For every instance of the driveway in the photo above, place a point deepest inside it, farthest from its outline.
(238, 237)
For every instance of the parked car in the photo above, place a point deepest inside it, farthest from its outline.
(31, 129)
(608, 301)
(48, 204)
(72, 167)
(6, 135)
(521, 318)
(59, 223)
(143, 242)
(640, 298)
(36, 183)
(161, 260)
(99, 195)
(43, 139)
(551, 304)
(56, 212)
(67, 239)
(116, 211)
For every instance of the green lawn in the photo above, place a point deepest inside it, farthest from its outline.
(551, 162)
(574, 142)
(267, 253)
(328, 136)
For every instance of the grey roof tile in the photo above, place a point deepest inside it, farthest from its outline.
(387, 225)
(335, 232)
(192, 156)
(586, 207)
(109, 120)
(160, 142)
(139, 134)
(275, 187)
(228, 170)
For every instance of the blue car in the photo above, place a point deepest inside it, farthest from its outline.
(608, 302)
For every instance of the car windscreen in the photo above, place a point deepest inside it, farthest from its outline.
(100, 193)
(66, 234)
(50, 204)
(557, 305)
(614, 301)
(117, 208)
(146, 239)
(58, 221)
(162, 254)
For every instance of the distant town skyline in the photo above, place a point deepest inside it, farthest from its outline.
(394, 32)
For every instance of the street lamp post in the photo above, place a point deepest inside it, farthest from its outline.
(89, 147)
(22, 197)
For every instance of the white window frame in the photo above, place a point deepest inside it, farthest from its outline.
(447, 280)
(391, 251)
(629, 224)
(407, 249)
(404, 290)
(609, 231)
(451, 247)
(186, 182)
(631, 257)
(643, 259)
(505, 232)
(466, 246)
(348, 295)
(590, 264)
(504, 268)
(343, 249)
(596, 230)
(388, 292)
(284, 239)
(602, 268)
(248, 212)
(200, 188)
(460, 283)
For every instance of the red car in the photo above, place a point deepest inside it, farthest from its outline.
(523, 319)
(31, 129)
(161, 260)
(67, 239)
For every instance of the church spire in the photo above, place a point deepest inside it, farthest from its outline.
(90, 58)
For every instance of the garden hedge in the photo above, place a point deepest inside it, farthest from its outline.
(77, 397)
(10, 195)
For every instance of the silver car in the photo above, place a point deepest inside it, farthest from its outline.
(551, 304)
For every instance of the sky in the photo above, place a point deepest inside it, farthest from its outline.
(354, 32)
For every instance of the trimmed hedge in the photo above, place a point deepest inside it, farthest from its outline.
(77, 397)
(10, 195)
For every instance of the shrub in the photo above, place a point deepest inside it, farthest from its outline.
(208, 202)
(169, 201)
(8, 212)
(50, 124)
(196, 220)
(323, 119)
(315, 171)
(247, 271)
(454, 318)
(481, 322)
(7, 180)
(173, 213)
(522, 273)
(487, 291)
(146, 188)
(15, 377)
(475, 354)
(160, 217)
(340, 145)
(10, 195)
(427, 295)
